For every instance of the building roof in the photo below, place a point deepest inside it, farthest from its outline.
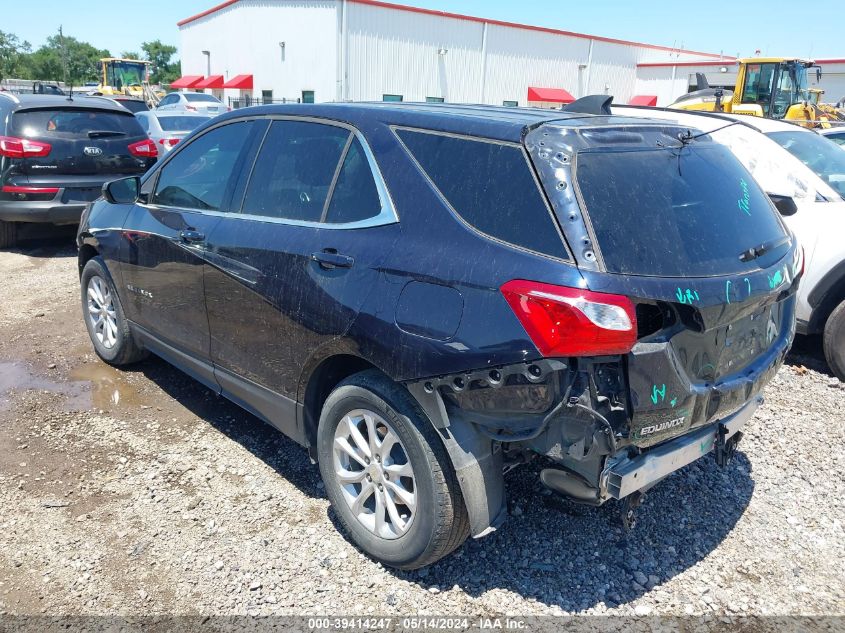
(472, 18)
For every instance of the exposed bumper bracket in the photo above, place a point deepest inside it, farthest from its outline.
(627, 475)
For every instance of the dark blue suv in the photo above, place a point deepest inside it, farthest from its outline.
(425, 296)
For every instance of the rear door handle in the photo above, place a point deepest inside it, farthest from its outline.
(191, 236)
(329, 258)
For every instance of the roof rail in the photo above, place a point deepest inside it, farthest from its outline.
(591, 104)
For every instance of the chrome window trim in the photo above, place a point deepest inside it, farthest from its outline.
(387, 214)
(569, 259)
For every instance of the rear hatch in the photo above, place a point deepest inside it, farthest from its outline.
(175, 128)
(676, 224)
(85, 147)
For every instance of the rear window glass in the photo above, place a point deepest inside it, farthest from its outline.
(180, 123)
(73, 123)
(198, 96)
(490, 185)
(676, 212)
(816, 152)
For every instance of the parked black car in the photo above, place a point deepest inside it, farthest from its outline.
(56, 152)
(426, 296)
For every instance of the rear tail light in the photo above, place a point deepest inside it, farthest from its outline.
(170, 142)
(563, 321)
(12, 147)
(144, 149)
(18, 189)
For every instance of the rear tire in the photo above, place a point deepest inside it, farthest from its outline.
(834, 341)
(104, 317)
(8, 234)
(434, 521)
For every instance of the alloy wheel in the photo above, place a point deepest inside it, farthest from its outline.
(101, 312)
(374, 473)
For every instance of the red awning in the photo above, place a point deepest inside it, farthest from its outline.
(240, 82)
(187, 81)
(212, 81)
(643, 100)
(550, 95)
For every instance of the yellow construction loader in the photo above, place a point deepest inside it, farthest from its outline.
(130, 77)
(771, 87)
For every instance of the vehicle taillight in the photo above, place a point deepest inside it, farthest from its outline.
(144, 149)
(24, 190)
(168, 141)
(563, 321)
(12, 147)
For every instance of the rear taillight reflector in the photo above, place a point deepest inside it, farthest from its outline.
(12, 147)
(144, 149)
(563, 321)
(18, 189)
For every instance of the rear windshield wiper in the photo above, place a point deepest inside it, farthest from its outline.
(104, 133)
(758, 251)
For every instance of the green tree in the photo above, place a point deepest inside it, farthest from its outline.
(131, 55)
(160, 54)
(13, 52)
(65, 58)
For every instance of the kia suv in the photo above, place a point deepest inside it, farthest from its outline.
(426, 296)
(56, 153)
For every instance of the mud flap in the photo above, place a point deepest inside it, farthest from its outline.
(477, 462)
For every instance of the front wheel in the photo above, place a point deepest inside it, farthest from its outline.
(834, 341)
(387, 474)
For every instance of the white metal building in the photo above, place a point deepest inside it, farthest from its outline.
(334, 50)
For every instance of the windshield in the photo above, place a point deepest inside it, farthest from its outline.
(818, 153)
(121, 74)
(676, 212)
(199, 96)
(181, 123)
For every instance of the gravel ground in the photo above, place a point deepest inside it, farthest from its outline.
(140, 492)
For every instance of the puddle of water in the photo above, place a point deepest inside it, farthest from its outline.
(93, 385)
(106, 385)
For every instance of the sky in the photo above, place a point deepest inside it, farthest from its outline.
(775, 27)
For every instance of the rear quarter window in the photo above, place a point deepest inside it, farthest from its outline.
(490, 185)
(69, 123)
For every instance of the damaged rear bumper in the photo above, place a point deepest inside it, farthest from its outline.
(625, 475)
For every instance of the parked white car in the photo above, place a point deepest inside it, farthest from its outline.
(169, 127)
(192, 102)
(791, 161)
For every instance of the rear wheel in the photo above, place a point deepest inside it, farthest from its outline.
(834, 341)
(8, 234)
(104, 318)
(387, 474)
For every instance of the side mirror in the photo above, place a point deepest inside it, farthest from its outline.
(123, 191)
(784, 204)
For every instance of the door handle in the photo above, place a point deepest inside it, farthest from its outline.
(191, 236)
(329, 258)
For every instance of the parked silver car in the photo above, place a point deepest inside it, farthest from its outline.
(169, 127)
(192, 102)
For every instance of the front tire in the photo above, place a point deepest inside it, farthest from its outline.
(8, 234)
(834, 341)
(387, 473)
(104, 317)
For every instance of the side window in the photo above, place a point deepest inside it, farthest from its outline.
(355, 195)
(197, 177)
(145, 123)
(294, 170)
(490, 185)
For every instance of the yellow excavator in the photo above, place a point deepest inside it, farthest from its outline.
(771, 87)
